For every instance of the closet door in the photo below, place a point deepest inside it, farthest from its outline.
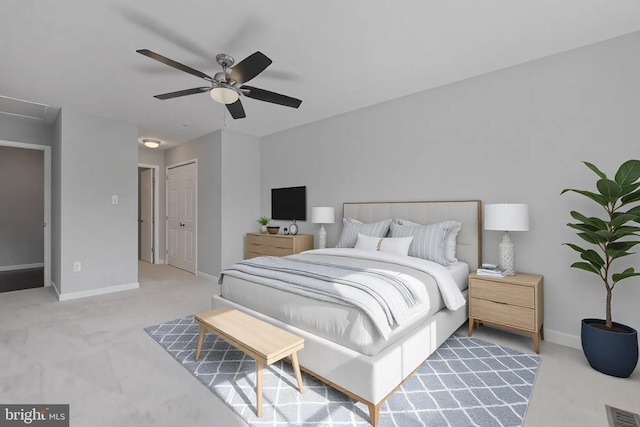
(181, 221)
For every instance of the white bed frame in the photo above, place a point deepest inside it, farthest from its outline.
(371, 379)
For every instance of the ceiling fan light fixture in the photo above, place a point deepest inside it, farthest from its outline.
(151, 143)
(224, 94)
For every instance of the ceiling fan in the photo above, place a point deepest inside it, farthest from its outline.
(228, 85)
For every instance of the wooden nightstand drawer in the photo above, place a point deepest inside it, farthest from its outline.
(507, 293)
(505, 314)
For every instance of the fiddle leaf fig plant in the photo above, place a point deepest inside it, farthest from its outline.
(612, 236)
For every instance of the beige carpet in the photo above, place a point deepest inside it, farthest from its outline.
(94, 354)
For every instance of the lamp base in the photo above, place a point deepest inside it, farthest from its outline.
(507, 255)
(322, 237)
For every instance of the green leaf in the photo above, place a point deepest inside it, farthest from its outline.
(575, 247)
(599, 199)
(594, 236)
(596, 170)
(625, 231)
(622, 246)
(628, 173)
(627, 189)
(614, 254)
(630, 198)
(589, 238)
(593, 258)
(608, 188)
(594, 222)
(629, 272)
(586, 267)
(622, 218)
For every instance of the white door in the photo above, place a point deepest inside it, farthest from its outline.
(181, 213)
(146, 216)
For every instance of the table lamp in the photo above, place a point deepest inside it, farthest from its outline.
(507, 217)
(322, 215)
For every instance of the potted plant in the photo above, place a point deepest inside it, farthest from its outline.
(263, 221)
(610, 347)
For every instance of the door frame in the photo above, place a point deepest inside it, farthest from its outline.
(156, 210)
(166, 209)
(47, 200)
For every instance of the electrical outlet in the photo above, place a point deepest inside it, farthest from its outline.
(77, 267)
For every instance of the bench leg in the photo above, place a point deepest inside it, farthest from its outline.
(200, 338)
(259, 366)
(296, 369)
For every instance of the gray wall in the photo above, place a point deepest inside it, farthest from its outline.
(228, 194)
(240, 193)
(515, 135)
(22, 208)
(94, 158)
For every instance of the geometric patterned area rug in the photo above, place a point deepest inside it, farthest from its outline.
(466, 382)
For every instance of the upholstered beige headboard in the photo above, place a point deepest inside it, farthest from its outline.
(467, 212)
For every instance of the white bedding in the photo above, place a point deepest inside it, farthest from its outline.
(343, 324)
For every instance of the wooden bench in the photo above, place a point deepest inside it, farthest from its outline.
(262, 341)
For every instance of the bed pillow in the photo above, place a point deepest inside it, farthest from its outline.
(450, 244)
(396, 245)
(352, 227)
(435, 242)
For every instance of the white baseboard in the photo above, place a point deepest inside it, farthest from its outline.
(55, 288)
(160, 261)
(95, 292)
(207, 276)
(21, 266)
(562, 338)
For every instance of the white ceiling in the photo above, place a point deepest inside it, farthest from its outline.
(335, 55)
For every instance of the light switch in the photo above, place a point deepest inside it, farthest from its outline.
(114, 199)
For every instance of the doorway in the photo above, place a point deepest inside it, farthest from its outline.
(181, 216)
(45, 225)
(148, 213)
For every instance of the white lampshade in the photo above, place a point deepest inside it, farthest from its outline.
(224, 94)
(506, 217)
(322, 215)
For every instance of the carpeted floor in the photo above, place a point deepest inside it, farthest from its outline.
(16, 280)
(466, 382)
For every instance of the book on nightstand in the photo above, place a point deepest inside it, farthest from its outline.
(490, 270)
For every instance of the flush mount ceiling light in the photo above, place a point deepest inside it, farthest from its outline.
(151, 143)
(224, 93)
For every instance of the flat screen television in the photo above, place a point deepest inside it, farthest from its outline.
(289, 203)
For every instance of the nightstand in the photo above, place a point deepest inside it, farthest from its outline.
(514, 302)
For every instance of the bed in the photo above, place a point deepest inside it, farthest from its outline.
(349, 348)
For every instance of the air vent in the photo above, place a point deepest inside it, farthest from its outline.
(18, 107)
(619, 418)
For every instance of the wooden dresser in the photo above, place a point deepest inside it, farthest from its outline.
(514, 302)
(259, 244)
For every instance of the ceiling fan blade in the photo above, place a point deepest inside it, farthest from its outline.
(236, 110)
(174, 64)
(249, 67)
(184, 92)
(268, 96)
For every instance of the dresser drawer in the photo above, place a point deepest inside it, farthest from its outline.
(505, 314)
(507, 293)
(282, 242)
(257, 239)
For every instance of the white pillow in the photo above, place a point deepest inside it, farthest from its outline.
(352, 227)
(450, 243)
(432, 242)
(397, 245)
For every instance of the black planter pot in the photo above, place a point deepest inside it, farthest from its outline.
(612, 353)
